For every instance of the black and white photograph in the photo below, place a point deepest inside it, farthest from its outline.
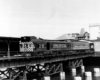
(49, 40)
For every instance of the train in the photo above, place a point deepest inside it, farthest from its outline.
(33, 46)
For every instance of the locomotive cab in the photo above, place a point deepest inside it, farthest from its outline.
(26, 45)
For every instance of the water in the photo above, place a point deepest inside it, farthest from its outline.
(70, 77)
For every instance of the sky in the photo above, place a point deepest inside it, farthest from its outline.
(47, 19)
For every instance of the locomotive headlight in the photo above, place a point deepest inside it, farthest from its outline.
(92, 46)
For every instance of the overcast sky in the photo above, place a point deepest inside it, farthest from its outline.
(47, 18)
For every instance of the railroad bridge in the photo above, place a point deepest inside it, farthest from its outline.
(38, 66)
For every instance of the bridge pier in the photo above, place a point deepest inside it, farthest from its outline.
(77, 78)
(62, 75)
(73, 71)
(76, 66)
(46, 77)
(88, 76)
(82, 69)
(24, 75)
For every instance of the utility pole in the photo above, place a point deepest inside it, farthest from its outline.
(8, 52)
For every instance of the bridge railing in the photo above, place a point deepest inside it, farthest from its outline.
(35, 54)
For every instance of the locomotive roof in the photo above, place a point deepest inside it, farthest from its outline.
(37, 40)
(96, 40)
(66, 40)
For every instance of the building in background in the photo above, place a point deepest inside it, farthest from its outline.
(68, 36)
(83, 35)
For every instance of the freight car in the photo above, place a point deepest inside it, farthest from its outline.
(37, 46)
